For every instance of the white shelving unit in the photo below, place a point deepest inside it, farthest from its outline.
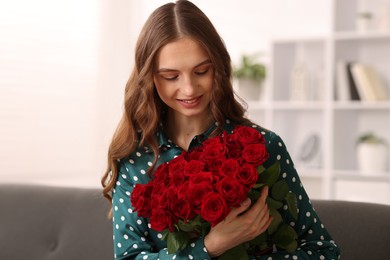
(317, 121)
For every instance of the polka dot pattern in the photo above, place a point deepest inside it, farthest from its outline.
(134, 237)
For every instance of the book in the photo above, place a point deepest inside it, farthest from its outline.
(368, 83)
(343, 92)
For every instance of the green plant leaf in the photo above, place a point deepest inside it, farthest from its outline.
(260, 240)
(236, 253)
(270, 175)
(260, 169)
(292, 203)
(258, 185)
(177, 241)
(280, 190)
(273, 204)
(285, 237)
(277, 220)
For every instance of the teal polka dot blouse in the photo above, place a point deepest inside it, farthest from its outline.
(134, 239)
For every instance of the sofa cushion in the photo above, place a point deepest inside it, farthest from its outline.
(40, 222)
(361, 230)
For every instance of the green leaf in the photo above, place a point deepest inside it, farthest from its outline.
(273, 204)
(270, 175)
(280, 190)
(260, 240)
(254, 195)
(258, 185)
(236, 253)
(177, 241)
(292, 204)
(260, 169)
(277, 220)
(186, 227)
(285, 237)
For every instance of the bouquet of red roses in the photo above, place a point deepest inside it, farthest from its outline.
(196, 190)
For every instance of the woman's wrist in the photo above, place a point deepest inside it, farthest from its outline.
(212, 246)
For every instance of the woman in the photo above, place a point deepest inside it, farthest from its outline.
(179, 94)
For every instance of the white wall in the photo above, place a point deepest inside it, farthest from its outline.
(64, 64)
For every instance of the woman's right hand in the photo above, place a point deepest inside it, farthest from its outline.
(241, 225)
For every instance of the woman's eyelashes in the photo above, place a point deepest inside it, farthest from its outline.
(175, 76)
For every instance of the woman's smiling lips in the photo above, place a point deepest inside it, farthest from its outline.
(190, 103)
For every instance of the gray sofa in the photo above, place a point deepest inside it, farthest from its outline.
(42, 223)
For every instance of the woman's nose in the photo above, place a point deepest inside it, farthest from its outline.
(189, 85)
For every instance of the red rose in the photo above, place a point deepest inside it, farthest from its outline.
(161, 173)
(212, 149)
(162, 219)
(193, 167)
(255, 154)
(182, 209)
(165, 198)
(215, 164)
(214, 208)
(206, 177)
(248, 135)
(235, 149)
(229, 167)
(232, 191)
(197, 192)
(247, 175)
(141, 199)
(177, 164)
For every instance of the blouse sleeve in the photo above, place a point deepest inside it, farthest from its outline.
(133, 239)
(314, 241)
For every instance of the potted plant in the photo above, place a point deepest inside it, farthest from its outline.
(250, 75)
(371, 154)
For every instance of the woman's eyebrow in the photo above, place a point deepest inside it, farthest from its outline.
(196, 66)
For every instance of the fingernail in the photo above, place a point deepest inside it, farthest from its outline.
(247, 201)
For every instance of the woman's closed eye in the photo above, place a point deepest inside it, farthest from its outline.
(201, 72)
(169, 76)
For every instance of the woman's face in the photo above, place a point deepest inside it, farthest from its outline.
(184, 78)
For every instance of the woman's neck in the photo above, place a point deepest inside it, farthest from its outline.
(181, 129)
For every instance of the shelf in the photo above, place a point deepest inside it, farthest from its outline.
(357, 176)
(361, 105)
(297, 105)
(354, 35)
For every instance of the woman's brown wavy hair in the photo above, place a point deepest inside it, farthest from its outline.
(142, 106)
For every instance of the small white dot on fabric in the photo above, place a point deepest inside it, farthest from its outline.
(116, 208)
(143, 253)
(159, 235)
(174, 257)
(150, 163)
(131, 228)
(322, 226)
(145, 257)
(125, 253)
(119, 245)
(310, 231)
(146, 233)
(117, 226)
(190, 257)
(123, 218)
(131, 161)
(293, 179)
(285, 207)
(135, 178)
(322, 257)
(127, 193)
(319, 243)
(303, 227)
(139, 222)
(143, 171)
(309, 252)
(263, 133)
(217, 123)
(284, 175)
(204, 249)
(143, 239)
(308, 214)
(300, 197)
(292, 224)
(124, 176)
(138, 154)
(121, 200)
(125, 236)
(280, 144)
(288, 161)
(149, 226)
(269, 258)
(192, 244)
(295, 257)
(286, 256)
(278, 157)
(227, 121)
(118, 183)
(135, 246)
(315, 220)
(322, 238)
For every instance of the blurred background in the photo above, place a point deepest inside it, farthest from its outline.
(64, 65)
